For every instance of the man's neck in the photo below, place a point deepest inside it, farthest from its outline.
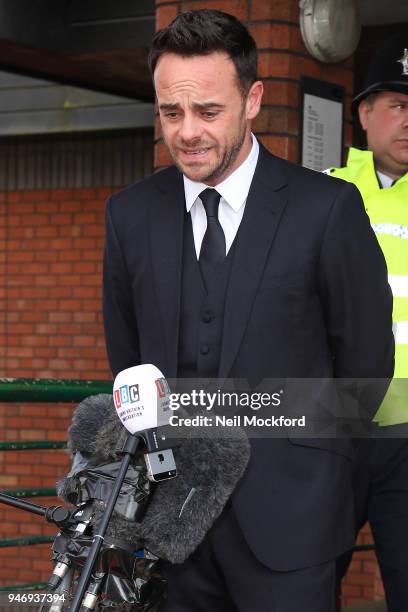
(391, 173)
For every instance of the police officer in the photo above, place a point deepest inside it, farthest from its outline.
(381, 175)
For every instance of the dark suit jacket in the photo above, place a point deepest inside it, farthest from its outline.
(308, 297)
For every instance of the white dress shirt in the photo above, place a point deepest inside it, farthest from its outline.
(234, 192)
(385, 180)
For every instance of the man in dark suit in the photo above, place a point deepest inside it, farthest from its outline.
(235, 263)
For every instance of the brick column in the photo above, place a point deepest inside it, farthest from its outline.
(283, 59)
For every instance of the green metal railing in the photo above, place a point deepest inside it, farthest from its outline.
(33, 492)
(31, 586)
(363, 547)
(50, 390)
(29, 390)
(37, 445)
(26, 541)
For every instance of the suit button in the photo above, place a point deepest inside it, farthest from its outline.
(205, 349)
(206, 318)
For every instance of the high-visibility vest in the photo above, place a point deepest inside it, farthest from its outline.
(388, 213)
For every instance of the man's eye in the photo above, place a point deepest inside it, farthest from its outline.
(209, 114)
(171, 115)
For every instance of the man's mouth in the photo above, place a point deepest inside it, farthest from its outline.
(195, 152)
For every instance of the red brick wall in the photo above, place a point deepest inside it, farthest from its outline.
(40, 468)
(51, 245)
(51, 284)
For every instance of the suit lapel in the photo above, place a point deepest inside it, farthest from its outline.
(166, 224)
(263, 210)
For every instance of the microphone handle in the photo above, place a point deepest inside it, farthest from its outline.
(131, 446)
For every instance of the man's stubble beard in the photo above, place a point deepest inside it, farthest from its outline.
(228, 158)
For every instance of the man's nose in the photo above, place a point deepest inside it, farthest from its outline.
(190, 128)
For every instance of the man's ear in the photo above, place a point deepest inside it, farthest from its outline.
(364, 109)
(254, 99)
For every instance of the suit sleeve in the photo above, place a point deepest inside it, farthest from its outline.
(121, 334)
(357, 299)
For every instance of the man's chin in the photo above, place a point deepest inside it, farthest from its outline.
(194, 171)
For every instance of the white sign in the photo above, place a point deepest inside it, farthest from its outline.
(322, 133)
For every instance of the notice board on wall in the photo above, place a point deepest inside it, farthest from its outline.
(322, 110)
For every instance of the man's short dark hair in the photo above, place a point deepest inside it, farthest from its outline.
(205, 31)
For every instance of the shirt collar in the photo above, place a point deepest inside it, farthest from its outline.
(385, 180)
(234, 190)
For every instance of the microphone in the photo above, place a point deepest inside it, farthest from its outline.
(141, 398)
(143, 410)
(210, 462)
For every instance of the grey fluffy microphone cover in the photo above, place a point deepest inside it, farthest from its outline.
(210, 463)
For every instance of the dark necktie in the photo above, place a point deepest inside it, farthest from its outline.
(212, 252)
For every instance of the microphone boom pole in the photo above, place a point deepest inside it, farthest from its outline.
(22, 505)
